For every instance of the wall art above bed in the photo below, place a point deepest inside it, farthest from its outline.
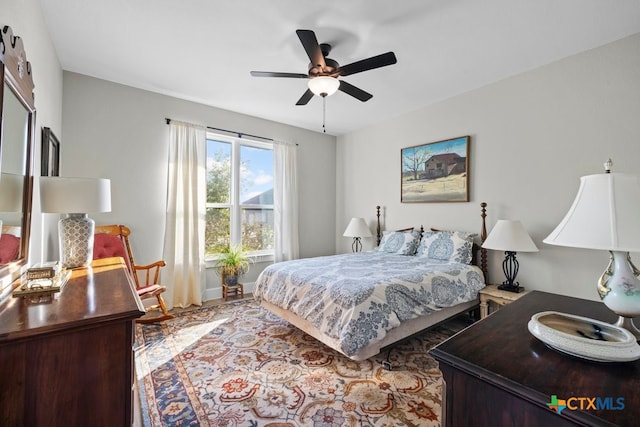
(435, 172)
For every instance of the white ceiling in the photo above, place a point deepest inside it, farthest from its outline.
(203, 50)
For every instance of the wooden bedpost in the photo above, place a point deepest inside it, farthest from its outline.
(378, 232)
(483, 237)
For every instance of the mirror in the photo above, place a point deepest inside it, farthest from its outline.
(17, 133)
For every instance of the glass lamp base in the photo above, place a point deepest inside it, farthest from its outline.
(619, 289)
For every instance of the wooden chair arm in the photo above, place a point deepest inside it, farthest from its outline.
(149, 266)
(151, 271)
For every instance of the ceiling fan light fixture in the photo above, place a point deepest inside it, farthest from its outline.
(324, 85)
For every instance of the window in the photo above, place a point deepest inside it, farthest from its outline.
(239, 195)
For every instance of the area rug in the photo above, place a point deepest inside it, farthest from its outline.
(236, 364)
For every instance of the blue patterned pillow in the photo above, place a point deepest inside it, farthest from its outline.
(448, 246)
(400, 242)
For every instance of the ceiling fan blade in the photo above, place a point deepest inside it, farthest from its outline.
(311, 46)
(305, 98)
(378, 61)
(357, 93)
(276, 74)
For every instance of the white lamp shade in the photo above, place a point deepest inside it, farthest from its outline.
(604, 215)
(75, 195)
(11, 189)
(324, 85)
(357, 228)
(509, 236)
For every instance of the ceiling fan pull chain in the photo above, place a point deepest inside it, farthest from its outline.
(324, 113)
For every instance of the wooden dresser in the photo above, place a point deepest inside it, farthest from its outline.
(498, 374)
(69, 362)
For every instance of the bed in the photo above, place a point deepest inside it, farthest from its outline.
(359, 303)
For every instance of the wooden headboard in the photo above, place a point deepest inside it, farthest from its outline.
(480, 261)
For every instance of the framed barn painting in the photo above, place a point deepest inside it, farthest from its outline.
(436, 172)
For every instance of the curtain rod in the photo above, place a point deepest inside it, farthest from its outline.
(239, 134)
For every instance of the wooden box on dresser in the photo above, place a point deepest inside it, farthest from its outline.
(497, 374)
(69, 362)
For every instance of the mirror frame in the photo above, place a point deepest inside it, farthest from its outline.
(17, 77)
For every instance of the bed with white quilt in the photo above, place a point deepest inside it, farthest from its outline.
(359, 303)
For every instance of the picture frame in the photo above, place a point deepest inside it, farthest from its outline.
(50, 161)
(435, 172)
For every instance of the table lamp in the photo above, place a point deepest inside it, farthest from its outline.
(604, 216)
(357, 229)
(75, 197)
(511, 237)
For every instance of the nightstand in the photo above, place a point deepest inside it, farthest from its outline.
(491, 293)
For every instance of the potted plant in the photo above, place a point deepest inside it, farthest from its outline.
(232, 264)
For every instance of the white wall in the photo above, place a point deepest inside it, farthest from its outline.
(118, 132)
(532, 137)
(26, 20)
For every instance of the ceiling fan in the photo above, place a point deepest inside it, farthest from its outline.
(324, 72)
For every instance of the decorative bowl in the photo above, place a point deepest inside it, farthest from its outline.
(584, 338)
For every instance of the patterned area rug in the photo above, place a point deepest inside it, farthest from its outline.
(236, 364)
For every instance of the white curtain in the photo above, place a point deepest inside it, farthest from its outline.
(285, 201)
(185, 223)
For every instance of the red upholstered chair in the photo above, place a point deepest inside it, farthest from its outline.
(113, 241)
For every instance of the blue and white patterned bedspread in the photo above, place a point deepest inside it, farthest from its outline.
(356, 298)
